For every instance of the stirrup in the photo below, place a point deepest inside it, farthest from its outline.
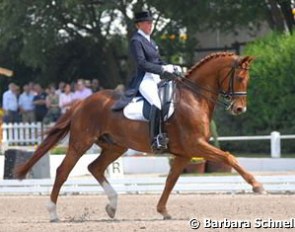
(160, 143)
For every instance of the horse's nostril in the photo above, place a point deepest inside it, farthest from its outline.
(240, 110)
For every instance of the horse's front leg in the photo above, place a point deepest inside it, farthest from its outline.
(215, 154)
(177, 167)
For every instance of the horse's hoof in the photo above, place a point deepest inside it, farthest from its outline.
(259, 190)
(110, 211)
(55, 220)
(167, 217)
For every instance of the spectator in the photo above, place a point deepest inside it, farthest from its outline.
(52, 103)
(60, 89)
(96, 85)
(87, 84)
(10, 105)
(66, 99)
(82, 91)
(40, 103)
(26, 105)
(120, 88)
(17, 91)
(32, 88)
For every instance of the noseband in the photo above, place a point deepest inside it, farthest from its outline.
(227, 95)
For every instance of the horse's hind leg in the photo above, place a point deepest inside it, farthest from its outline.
(97, 169)
(62, 173)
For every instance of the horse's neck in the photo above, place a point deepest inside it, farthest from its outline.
(207, 78)
(208, 73)
(199, 103)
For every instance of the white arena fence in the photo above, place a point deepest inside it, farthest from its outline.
(146, 185)
(24, 134)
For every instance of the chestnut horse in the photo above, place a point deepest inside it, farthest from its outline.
(92, 121)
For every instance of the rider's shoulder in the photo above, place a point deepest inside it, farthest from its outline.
(136, 37)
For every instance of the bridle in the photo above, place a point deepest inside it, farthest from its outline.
(228, 95)
(230, 90)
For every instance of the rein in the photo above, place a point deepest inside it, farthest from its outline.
(227, 95)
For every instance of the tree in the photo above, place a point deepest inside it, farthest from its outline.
(44, 30)
(55, 40)
(229, 14)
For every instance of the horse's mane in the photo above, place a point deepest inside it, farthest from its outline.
(208, 58)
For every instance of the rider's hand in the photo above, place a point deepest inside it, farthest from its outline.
(169, 68)
(177, 69)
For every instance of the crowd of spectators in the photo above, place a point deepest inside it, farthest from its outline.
(32, 103)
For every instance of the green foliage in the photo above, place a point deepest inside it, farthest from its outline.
(61, 40)
(271, 94)
(214, 133)
(59, 150)
(210, 14)
(49, 41)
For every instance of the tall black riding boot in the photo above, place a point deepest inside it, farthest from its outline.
(159, 140)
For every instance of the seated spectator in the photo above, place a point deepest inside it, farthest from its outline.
(10, 104)
(66, 99)
(82, 91)
(40, 103)
(52, 103)
(26, 105)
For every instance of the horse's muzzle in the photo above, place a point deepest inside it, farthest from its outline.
(237, 110)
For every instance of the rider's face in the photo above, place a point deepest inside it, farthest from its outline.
(146, 27)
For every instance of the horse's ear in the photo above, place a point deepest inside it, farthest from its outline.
(247, 59)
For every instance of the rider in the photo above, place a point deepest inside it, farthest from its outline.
(149, 67)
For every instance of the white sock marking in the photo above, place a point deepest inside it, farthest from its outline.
(111, 193)
(51, 207)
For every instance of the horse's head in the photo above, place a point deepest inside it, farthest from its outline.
(221, 73)
(234, 83)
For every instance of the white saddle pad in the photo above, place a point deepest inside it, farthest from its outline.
(133, 110)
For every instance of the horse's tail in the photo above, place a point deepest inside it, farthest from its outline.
(55, 134)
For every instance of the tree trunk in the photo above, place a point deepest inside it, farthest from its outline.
(287, 13)
(277, 16)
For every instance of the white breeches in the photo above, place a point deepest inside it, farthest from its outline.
(149, 89)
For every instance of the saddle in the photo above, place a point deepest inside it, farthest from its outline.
(139, 108)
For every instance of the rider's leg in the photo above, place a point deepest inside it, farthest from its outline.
(149, 90)
(158, 138)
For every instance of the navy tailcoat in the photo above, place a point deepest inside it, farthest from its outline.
(146, 57)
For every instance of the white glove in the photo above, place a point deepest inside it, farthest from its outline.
(168, 68)
(177, 68)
